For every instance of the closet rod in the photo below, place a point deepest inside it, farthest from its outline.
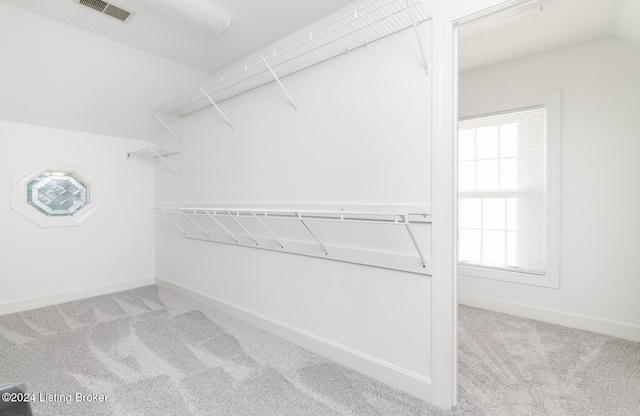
(355, 216)
(344, 216)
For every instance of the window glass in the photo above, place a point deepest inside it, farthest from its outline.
(57, 193)
(502, 190)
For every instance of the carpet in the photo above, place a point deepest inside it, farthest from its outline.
(512, 366)
(148, 351)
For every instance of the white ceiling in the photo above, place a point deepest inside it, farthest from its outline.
(255, 24)
(560, 23)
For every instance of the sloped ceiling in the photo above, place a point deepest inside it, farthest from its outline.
(628, 26)
(258, 23)
(254, 25)
(560, 23)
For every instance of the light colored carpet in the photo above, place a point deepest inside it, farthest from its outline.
(513, 366)
(152, 352)
(156, 353)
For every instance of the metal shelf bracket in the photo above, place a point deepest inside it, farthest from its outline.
(280, 83)
(159, 154)
(414, 22)
(174, 224)
(243, 228)
(166, 126)
(413, 239)
(313, 234)
(213, 103)
(169, 165)
(195, 223)
(223, 227)
(268, 229)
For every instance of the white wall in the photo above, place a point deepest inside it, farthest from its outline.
(112, 250)
(361, 136)
(71, 97)
(600, 227)
(56, 75)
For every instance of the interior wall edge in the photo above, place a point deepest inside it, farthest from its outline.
(617, 329)
(407, 381)
(72, 295)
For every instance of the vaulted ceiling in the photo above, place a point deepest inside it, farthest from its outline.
(257, 23)
(254, 25)
(560, 23)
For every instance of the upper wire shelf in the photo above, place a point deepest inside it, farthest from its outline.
(152, 152)
(373, 21)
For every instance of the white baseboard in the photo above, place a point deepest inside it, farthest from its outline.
(407, 381)
(62, 297)
(588, 323)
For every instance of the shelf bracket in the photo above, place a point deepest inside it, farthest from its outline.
(413, 238)
(243, 227)
(173, 223)
(268, 229)
(414, 22)
(213, 103)
(280, 83)
(195, 223)
(313, 234)
(159, 156)
(222, 226)
(166, 126)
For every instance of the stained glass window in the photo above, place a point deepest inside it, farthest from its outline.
(57, 194)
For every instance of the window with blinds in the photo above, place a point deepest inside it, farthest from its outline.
(502, 191)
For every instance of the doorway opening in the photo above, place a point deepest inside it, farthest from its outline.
(540, 86)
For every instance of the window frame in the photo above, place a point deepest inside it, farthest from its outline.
(20, 204)
(552, 102)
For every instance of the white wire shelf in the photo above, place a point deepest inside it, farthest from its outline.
(369, 23)
(152, 152)
(265, 216)
(362, 216)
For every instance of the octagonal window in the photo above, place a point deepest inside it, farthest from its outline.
(57, 194)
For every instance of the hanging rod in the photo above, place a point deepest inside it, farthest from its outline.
(405, 219)
(353, 216)
(375, 20)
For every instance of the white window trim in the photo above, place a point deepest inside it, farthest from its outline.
(552, 102)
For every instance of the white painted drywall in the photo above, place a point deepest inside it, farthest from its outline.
(114, 248)
(627, 25)
(59, 76)
(600, 227)
(361, 136)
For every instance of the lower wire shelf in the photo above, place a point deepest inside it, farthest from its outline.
(231, 225)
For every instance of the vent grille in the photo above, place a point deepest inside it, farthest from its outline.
(98, 5)
(117, 12)
(108, 9)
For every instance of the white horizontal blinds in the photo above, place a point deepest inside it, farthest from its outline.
(502, 190)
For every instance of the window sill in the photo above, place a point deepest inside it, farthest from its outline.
(550, 281)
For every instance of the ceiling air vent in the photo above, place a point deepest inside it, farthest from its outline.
(108, 9)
